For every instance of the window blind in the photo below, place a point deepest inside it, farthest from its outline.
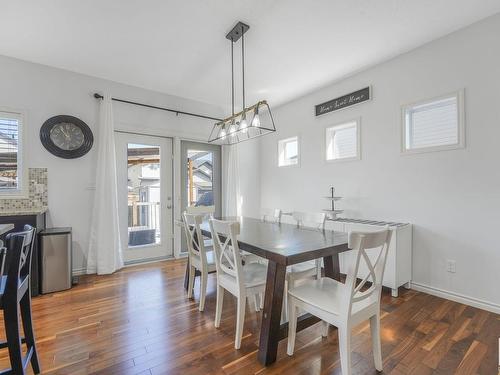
(342, 141)
(432, 124)
(9, 136)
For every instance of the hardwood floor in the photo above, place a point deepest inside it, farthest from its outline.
(139, 321)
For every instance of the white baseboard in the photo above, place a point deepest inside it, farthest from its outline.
(466, 300)
(79, 271)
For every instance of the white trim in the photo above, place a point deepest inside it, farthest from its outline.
(84, 271)
(460, 95)
(284, 141)
(339, 125)
(22, 192)
(457, 297)
(80, 271)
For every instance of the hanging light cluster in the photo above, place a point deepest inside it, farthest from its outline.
(251, 122)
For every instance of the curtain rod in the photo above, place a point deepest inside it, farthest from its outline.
(99, 96)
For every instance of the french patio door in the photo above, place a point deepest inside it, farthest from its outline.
(200, 177)
(144, 171)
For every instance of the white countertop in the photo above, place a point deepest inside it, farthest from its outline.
(21, 212)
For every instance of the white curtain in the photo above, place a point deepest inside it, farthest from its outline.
(105, 251)
(232, 194)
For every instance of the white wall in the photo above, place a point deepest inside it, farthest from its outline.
(451, 197)
(44, 92)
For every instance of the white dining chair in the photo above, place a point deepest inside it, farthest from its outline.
(201, 257)
(207, 212)
(304, 270)
(346, 305)
(240, 280)
(271, 215)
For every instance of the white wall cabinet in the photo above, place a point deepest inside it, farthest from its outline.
(398, 267)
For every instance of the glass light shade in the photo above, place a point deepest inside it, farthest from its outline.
(237, 128)
(244, 124)
(256, 118)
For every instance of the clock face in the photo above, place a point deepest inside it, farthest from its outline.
(67, 136)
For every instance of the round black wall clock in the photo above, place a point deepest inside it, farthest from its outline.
(67, 137)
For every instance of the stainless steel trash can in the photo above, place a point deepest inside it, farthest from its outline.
(55, 259)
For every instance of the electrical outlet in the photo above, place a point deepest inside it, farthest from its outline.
(451, 266)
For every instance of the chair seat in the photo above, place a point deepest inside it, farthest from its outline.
(326, 294)
(254, 274)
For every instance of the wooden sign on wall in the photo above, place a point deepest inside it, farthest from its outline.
(342, 102)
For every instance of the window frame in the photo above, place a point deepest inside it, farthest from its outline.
(281, 146)
(22, 188)
(343, 124)
(459, 95)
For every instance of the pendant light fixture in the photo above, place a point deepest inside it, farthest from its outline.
(251, 122)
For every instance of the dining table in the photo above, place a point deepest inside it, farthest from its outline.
(284, 245)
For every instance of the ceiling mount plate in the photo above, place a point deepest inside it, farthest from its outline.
(237, 31)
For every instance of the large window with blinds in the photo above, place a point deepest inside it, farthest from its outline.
(343, 141)
(434, 125)
(10, 152)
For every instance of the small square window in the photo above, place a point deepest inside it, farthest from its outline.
(342, 141)
(288, 151)
(434, 125)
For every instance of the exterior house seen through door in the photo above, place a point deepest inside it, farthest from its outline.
(144, 171)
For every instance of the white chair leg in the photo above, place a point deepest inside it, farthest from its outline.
(324, 331)
(284, 306)
(256, 302)
(318, 269)
(192, 271)
(203, 289)
(261, 300)
(240, 320)
(218, 306)
(345, 349)
(292, 327)
(375, 331)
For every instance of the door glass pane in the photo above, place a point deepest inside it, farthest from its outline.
(143, 194)
(200, 178)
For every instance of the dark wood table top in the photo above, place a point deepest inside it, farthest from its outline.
(285, 243)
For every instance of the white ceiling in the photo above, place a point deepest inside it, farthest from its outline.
(179, 47)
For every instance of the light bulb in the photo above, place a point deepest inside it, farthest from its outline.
(243, 124)
(256, 120)
(232, 128)
(222, 133)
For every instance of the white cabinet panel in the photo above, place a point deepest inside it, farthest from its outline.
(398, 266)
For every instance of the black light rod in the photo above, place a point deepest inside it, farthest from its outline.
(99, 96)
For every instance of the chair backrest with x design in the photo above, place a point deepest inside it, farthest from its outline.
(310, 219)
(194, 237)
(18, 259)
(227, 252)
(370, 287)
(272, 215)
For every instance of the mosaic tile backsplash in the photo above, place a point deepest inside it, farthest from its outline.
(37, 200)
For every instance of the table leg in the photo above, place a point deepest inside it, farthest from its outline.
(271, 317)
(332, 266)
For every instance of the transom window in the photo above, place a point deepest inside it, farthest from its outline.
(10, 152)
(288, 151)
(342, 141)
(434, 125)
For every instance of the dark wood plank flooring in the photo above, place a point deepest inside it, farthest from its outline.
(140, 321)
